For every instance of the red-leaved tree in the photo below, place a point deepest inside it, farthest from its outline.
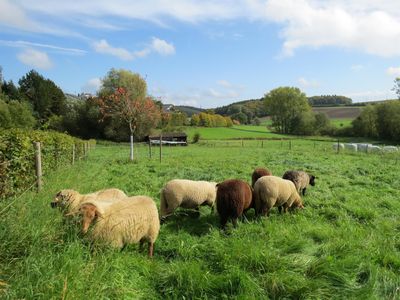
(140, 114)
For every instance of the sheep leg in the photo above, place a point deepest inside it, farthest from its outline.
(280, 209)
(234, 222)
(141, 242)
(223, 222)
(304, 191)
(151, 249)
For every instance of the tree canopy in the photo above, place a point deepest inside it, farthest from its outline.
(285, 105)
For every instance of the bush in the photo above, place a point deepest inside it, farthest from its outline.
(196, 138)
(17, 156)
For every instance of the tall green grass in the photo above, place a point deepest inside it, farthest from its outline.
(345, 244)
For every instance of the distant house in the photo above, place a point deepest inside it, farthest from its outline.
(168, 108)
(169, 138)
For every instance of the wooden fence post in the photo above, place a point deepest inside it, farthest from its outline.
(262, 144)
(38, 160)
(149, 147)
(337, 151)
(73, 154)
(160, 147)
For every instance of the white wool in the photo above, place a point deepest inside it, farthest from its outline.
(187, 194)
(126, 221)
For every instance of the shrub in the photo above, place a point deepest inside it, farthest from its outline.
(17, 162)
(196, 138)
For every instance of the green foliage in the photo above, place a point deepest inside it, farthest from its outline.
(17, 160)
(210, 120)
(381, 120)
(329, 100)
(243, 111)
(286, 105)
(343, 245)
(45, 97)
(177, 119)
(9, 89)
(196, 138)
(15, 114)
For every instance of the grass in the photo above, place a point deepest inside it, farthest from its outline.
(345, 244)
(340, 123)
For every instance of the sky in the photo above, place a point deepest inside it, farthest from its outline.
(207, 53)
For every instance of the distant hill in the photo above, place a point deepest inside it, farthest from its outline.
(189, 110)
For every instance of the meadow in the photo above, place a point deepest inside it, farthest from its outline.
(344, 244)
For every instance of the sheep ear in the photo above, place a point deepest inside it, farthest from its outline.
(98, 213)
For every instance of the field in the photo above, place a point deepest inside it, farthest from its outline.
(345, 244)
(339, 112)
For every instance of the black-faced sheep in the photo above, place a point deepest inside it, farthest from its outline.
(187, 194)
(127, 221)
(270, 191)
(234, 197)
(257, 173)
(70, 200)
(300, 179)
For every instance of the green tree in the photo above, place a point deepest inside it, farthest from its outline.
(366, 124)
(21, 114)
(123, 99)
(285, 105)
(46, 98)
(5, 116)
(9, 89)
(396, 87)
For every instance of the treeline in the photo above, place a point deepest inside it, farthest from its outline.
(329, 100)
(380, 121)
(245, 112)
(210, 120)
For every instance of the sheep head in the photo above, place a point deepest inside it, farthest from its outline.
(312, 180)
(298, 203)
(89, 213)
(63, 198)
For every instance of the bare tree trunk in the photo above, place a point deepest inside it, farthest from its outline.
(131, 153)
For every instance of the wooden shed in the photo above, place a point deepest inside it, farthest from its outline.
(169, 138)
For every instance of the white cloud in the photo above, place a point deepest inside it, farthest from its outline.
(393, 71)
(307, 83)
(162, 47)
(35, 58)
(224, 83)
(368, 26)
(157, 45)
(92, 86)
(104, 47)
(23, 44)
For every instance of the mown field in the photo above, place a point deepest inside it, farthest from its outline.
(345, 244)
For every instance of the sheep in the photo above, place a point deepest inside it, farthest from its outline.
(187, 194)
(125, 221)
(270, 191)
(351, 146)
(300, 179)
(69, 200)
(234, 197)
(257, 173)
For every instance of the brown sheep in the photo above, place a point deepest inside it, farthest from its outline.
(234, 197)
(257, 173)
(300, 179)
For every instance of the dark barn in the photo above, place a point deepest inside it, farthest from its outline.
(169, 138)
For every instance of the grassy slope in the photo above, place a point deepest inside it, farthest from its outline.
(344, 244)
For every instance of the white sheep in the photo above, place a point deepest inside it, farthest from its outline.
(126, 221)
(390, 149)
(187, 194)
(70, 200)
(351, 146)
(270, 191)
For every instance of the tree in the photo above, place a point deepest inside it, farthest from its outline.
(140, 114)
(46, 98)
(396, 87)
(285, 105)
(366, 124)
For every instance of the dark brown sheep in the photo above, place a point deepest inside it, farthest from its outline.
(234, 197)
(257, 173)
(300, 179)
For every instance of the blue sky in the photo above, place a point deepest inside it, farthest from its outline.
(207, 53)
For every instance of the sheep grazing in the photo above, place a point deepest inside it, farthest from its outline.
(127, 221)
(257, 173)
(187, 194)
(234, 197)
(270, 191)
(300, 179)
(70, 200)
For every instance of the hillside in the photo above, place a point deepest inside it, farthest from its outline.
(189, 110)
(339, 112)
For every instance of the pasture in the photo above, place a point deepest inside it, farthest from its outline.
(344, 244)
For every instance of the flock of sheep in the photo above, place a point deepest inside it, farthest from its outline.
(119, 220)
(362, 147)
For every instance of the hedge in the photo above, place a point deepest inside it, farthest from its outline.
(17, 156)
